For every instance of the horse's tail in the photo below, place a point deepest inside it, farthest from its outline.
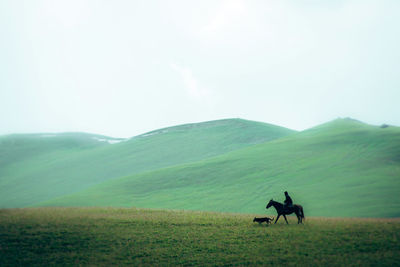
(302, 213)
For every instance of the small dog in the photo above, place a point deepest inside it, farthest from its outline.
(261, 220)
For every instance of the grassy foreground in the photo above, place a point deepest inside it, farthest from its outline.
(118, 236)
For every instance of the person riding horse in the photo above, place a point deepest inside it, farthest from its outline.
(288, 203)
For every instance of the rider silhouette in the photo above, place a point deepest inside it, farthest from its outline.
(288, 203)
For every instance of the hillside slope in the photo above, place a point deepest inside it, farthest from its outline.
(35, 168)
(341, 168)
(19, 147)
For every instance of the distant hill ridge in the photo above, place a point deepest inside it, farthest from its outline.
(270, 131)
(39, 167)
(341, 168)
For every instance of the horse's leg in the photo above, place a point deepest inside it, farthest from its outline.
(277, 218)
(298, 218)
(298, 214)
(297, 211)
(284, 216)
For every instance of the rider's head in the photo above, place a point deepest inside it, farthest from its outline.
(286, 193)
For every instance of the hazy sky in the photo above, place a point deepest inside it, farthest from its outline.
(122, 68)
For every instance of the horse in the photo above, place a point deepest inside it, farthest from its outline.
(297, 209)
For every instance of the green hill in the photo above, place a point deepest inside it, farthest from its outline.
(341, 168)
(20, 147)
(39, 167)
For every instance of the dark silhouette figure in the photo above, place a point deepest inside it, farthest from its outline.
(261, 220)
(280, 209)
(288, 203)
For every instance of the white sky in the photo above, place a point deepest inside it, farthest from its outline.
(122, 68)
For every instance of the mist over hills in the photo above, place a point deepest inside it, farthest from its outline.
(340, 168)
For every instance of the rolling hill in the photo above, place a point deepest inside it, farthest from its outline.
(341, 168)
(38, 167)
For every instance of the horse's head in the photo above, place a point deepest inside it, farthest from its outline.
(269, 204)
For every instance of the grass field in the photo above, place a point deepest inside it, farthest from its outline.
(129, 236)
